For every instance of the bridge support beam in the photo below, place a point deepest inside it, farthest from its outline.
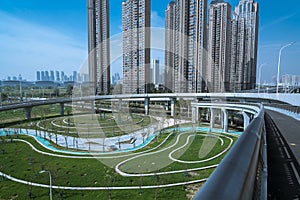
(93, 107)
(207, 114)
(120, 105)
(195, 114)
(146, 106)
(221, 118)
(212, 118)
(28, 112)
(246, 120)
(62, 109)
(173, 107)
(225, 120)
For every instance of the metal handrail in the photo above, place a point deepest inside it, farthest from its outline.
(287, 107)
(242, 173)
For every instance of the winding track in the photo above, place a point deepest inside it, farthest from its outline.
(138, 154)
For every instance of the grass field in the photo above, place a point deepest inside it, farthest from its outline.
(91, 172)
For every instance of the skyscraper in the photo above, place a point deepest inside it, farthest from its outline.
(52, 78)
(156, 71)
(74, 76)
(99, 45)
(38, 75)
(244, 45)
(47, 76)
(170, 23)
(136, 46)
(57, 76)
(190, 44)
(219, 39)
(62, 75)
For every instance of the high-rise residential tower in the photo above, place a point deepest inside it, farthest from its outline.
(38, 76)
(136, 46)
(156, 71)
(43, 78)
(99, 45)
(47, 76)
(52, 77)
(219, 43)
(57, 78)
(62, 76)
(190, 45)
(170, 45)
(244, 45)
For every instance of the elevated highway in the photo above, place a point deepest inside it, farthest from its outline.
(292, 99)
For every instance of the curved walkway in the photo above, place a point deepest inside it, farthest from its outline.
(118, 171)
(100, 188)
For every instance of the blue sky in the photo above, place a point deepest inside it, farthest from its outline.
(52, 34)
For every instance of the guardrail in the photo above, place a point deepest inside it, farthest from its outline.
(287, 107)
(242, 173)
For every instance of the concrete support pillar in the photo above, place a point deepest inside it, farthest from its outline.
(221, 118)
(62, 109)
(147, 106)
(212, 118)
(93, 107)
(120, 105)
(28, 112)
(225, 120)
(195, 114)
(246, 120)
(207, 114)
(173, 107)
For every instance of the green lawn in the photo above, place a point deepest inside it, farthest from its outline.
(91, 172)
(90, 126)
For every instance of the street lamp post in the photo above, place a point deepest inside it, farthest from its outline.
(260, 68)
(1, 95)
(279, 60)
(44, 171)
(20, 90)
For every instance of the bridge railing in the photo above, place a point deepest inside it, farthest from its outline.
(287, 107)
(242, 173)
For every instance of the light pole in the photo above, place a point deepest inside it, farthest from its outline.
(260, 68)
(43, 171)
(20, 90)
(279, 59)
(1, 95)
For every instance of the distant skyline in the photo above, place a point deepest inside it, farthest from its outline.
(52, 35)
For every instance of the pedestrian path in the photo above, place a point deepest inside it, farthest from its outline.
(283, 139)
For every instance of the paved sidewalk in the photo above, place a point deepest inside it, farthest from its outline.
(283, 137)
(290, 130)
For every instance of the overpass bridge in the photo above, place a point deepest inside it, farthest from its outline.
(263, 164)
(292, 99)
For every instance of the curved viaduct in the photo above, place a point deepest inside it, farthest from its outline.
(292, 99)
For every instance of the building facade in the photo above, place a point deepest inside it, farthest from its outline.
(219, 46)
(170, 45)
(156, 71)
(244, 46)
(136, 46)
(99, 46)
(38, 76)
(186, 46)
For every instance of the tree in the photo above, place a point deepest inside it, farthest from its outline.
(69, 91)
(56, 92)
(150, 87)
(4, 96)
